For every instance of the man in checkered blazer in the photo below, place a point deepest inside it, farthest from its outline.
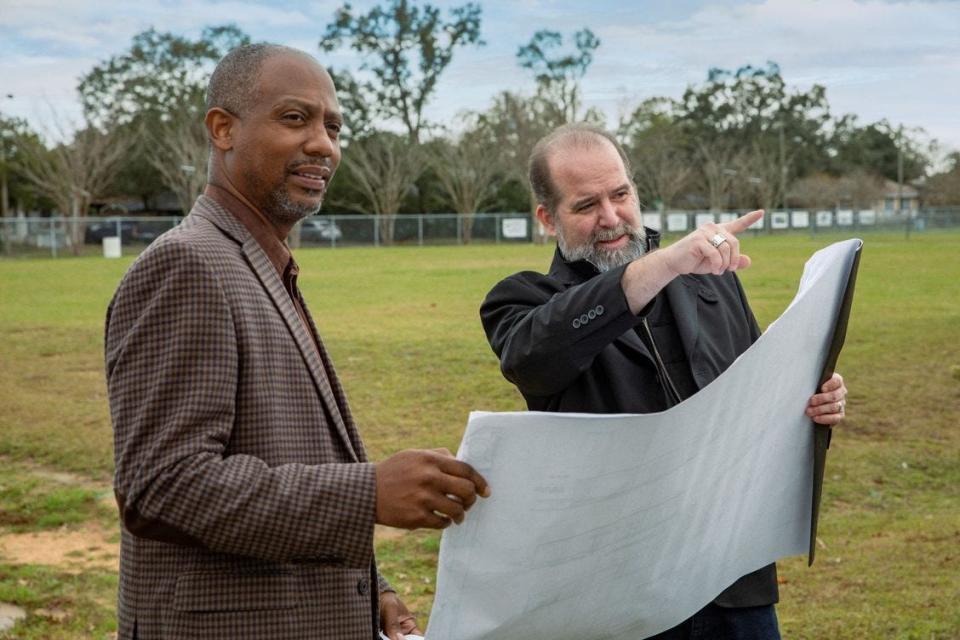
(247, 500)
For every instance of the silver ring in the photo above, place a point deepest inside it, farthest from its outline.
(717, 240)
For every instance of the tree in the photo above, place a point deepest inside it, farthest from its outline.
(178, 152)
(513, 124)
(859, 189)
(159, 73)
(358, 116)
(406, 48)
(816, 191)
(657, 150)
(874, 148)
(467, 174)
(146, 91)
(15, 134)
(943, 189)
(74, 174)
(748, 115)
(383, 168)
(558, 74)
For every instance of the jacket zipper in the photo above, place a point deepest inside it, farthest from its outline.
(669, 387)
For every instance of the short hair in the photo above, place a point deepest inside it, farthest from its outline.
(579, 134)
(234, 83)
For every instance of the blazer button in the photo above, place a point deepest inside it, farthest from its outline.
(584, 319)
(592, 314)
(576, 323)
(363, 586)
(599, 309)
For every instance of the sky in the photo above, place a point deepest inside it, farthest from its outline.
(898, 60)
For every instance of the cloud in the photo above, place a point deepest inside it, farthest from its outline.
(895, 60)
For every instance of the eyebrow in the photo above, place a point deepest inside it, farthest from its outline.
(592, 197)
(309, 107)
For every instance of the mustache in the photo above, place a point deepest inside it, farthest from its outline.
(603, 235)
(318, 162)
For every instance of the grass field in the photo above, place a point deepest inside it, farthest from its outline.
(402, 327)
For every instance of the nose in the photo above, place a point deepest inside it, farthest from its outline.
(607, 215)
(319, 142)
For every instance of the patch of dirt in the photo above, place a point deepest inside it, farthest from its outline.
(9, 614)
(381, 532)
(70, 550)
(61, 477)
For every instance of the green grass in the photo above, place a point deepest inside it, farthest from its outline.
(60, 606)
(32, 503)
(402, 327)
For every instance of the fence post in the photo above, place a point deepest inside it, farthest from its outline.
(459, 228)
(419, 229)
(376, 229)
(53, 237)
(119, 232)
(497, 221)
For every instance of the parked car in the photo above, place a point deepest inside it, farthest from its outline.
(95, 232)
(317, 229)
(140, 231)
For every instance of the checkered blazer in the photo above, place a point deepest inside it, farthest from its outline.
(247, 502)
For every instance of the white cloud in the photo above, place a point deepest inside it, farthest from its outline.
(895, 60)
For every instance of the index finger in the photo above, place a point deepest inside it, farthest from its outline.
(744, 221)
(459, 468)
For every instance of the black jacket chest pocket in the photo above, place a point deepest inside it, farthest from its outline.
(707, 295)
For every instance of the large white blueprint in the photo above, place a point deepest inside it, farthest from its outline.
(622, 526)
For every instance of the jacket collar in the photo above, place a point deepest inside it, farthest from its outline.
(265, 270)
(682, 293)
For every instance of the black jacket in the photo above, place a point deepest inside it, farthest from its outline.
(567, 340)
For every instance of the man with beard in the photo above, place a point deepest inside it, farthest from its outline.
(619, 325)
(247, 500)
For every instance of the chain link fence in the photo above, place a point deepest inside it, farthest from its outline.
(114, 236)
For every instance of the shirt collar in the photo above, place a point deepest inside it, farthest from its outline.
(259, 227)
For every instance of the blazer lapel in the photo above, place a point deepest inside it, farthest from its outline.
(574, 273)
(267, 274)
(281, 299)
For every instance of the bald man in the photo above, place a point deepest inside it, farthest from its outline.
(247, 500)
(619, 325)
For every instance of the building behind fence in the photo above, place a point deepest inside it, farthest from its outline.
(57, 236)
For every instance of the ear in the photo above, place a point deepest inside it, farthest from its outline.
(546, 220)
(220, 124)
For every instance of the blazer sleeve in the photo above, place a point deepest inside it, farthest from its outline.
(546, 335)
(172, 358)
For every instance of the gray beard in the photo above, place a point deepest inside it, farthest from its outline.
(286, 210)
(602, 259)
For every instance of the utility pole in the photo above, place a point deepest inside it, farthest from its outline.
(4, 192)
(783, 169)
(900, 169)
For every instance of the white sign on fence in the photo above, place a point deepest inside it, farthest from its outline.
(514, 227)
(111, 247)
(703, 218)
(653, 220)
(779, 220)
(800, 219)
(824, 218)
(845, 218)
(728, 217)
(867, 216)
(676, 222)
